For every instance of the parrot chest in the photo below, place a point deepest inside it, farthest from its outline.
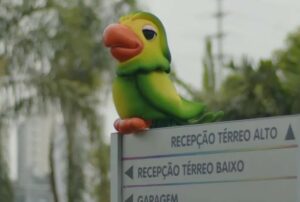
(129, 102)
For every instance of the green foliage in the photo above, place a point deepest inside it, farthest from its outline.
(268, 88)
(209, 79)
(53, 50)
(253, 92)
(100, 158)
(288, 60)
(6, 191)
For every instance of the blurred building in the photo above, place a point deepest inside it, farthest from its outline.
(32, 180)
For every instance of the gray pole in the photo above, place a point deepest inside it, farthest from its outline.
(219, 36)
(116, 168)
(220, 33)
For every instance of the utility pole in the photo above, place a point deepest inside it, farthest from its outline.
(219, 15)
(220, 34)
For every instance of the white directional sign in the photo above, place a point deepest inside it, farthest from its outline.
(255, 160)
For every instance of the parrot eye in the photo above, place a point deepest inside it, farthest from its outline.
(149, 32)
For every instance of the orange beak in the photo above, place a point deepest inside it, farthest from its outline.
(124, 44)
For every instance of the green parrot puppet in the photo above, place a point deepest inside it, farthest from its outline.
(143, 92)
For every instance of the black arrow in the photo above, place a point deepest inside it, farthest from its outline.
(290, 133)
(130, 199)
(129, 172)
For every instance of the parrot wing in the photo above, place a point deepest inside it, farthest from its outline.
(159, 91)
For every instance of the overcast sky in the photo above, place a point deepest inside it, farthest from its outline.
(253, 27)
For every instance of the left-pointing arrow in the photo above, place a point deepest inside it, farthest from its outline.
(130, 199)
(129, 172)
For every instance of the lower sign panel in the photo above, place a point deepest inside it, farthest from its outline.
(275, 190)
(246, 166)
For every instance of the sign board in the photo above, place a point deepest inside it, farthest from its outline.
(256, 160)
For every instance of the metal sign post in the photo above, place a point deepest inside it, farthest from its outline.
(237, 161)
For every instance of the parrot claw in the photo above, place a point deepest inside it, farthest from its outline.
(131, 125)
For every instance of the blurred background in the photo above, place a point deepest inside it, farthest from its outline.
(56, 111)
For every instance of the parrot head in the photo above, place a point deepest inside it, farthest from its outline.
(139, 43)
